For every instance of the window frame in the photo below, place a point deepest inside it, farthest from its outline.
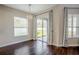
(72, 27)
(20, 27)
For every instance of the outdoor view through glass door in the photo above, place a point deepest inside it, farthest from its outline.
(41, 33)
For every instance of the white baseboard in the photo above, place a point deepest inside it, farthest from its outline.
(73, 45)
(11, 43)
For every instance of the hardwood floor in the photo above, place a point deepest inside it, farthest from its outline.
(37, 48)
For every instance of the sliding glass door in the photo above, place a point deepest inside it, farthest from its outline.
(45, 30)
(41, 29)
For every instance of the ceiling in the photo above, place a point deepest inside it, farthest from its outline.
(34, 8)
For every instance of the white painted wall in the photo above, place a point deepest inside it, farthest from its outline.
(7, 26)
(57, 25)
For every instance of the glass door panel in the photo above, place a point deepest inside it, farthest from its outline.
(39, 32)
(45, 30)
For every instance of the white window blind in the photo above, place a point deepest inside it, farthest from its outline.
(20, 26)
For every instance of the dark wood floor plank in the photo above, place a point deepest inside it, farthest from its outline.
(37, 48)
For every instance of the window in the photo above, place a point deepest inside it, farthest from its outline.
(73, 25)
(20, 26)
